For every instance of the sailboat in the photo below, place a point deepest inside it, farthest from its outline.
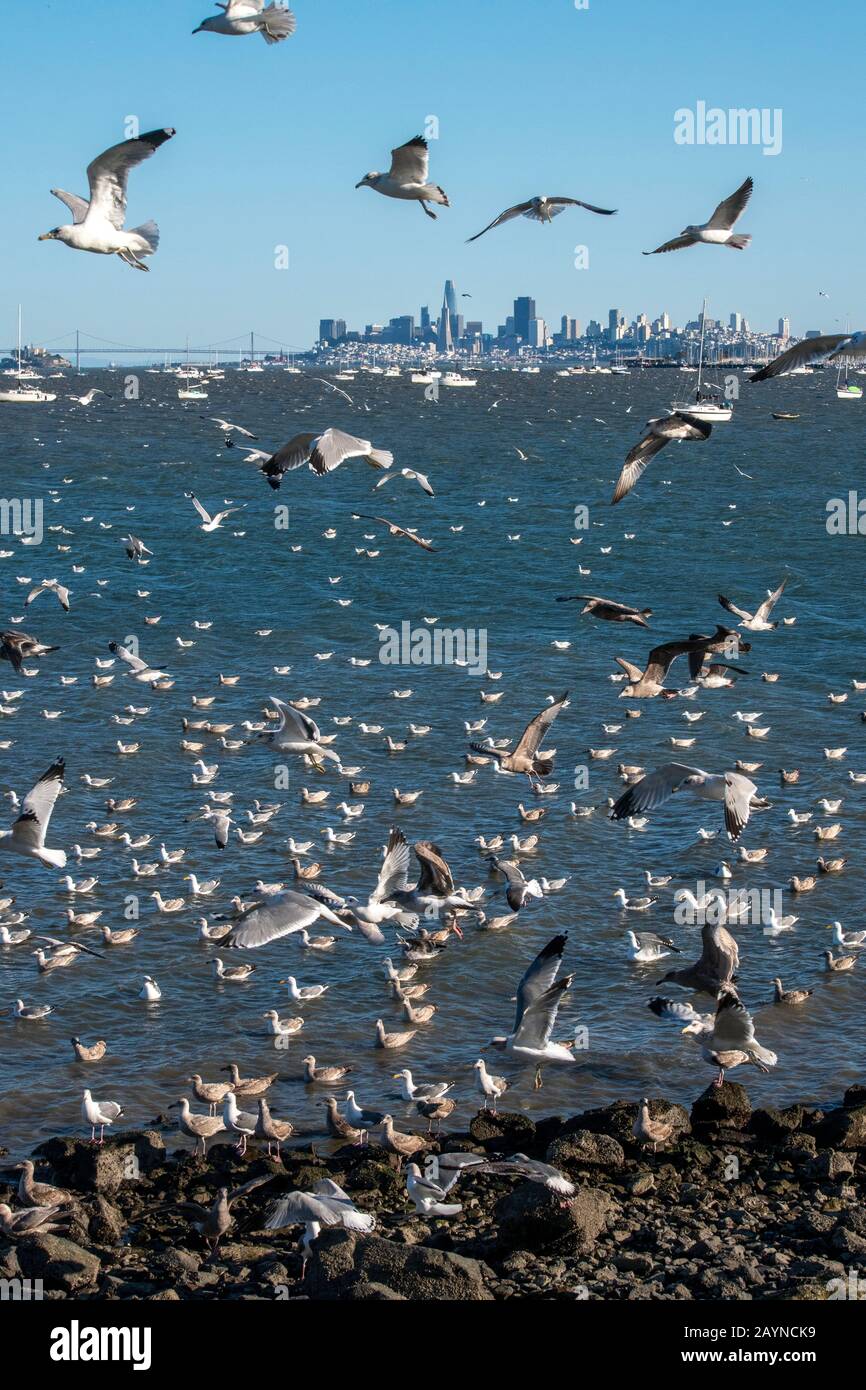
(21, 394)
(192, 392)
(700, 405)
(846, 390)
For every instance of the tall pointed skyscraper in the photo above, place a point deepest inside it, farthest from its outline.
(445, 336)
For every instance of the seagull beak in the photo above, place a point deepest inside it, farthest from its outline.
(46, 236)
(361, 184)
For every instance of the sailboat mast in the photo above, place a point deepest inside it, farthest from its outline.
(701, 358)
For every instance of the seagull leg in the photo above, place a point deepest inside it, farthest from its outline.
(538, 1082)
(424, 208)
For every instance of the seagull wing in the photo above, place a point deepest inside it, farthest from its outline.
(435, 874)
(297, 1208)
(539, 976)
(135, 662)
(770, 602)
(519, 210)
(809, 350)
(732, 608)
(31, 826)
(333, 447)
(677, 244)
(661, 657)
(730, 211)
(672, 1011)
(410, 162)
(79, 207)
(203, 513)
(535, 730)
(539, 1017)
(636, 460)
(595, 598)
(733, 1029)
(576, 203)
(291, 455)
(109, 171)
(249, 1187)
(280, 916)
(653, 790)
(393, 874)
(301, 723)
(739, 791)
(720, 955)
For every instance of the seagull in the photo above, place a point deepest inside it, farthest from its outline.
(525, 757)
(713, 970)
(789, 996)
(241, 17)
(420, 478)
(98, 224)
(679, 426)
(427, 1195)
(213, 1222)
(609, 609)
(732, 1040)
(408, 177)
(17, 647)
(393, 877)
(208, 522)
(541, 209)
(539, 996)
(735, 790)
(519, 886)
(395, 530)
(434, 891)
(649, 946)
(228, 429)
(99, 1112)
(28, 832)
(326, 1205)
(757, 621)
(297, 733)
(490, 1086)
(828, 345)
(135, 549)
(718, 231)
(139, 669)
(412, 1091)
(648, 683)
(282, 915)
(50, 586)
(88, 397)
(323, 452)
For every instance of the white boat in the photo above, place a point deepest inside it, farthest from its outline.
(424, 378)
(393, 371)
(457, 379)
(191, 393)
(846, 390)
(22, 394)
(700, 405)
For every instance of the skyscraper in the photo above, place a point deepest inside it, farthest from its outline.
(445, 336)
(524, 312)
(450, 296)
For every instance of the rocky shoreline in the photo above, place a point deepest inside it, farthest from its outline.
(738, 1204)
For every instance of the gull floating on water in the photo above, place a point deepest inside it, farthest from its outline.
(98, 224)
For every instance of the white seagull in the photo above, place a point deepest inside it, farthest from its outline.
(28, 832)
(98, 224)
(241, 17)
(208, 522)
(718, 230)
(408, 177)
(735, 790)
(323, 452)
(541, 209)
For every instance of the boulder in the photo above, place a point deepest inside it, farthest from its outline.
(342, 1265)
(617, 1120)
(722, 1107)
(531, 1217)
(59, 1262)
(843, 1129)
(503, 1132)
(581, 1148)
(106, 1225)
(104, 1167)
(775, 1126)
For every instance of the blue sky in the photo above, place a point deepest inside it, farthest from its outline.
(530, 98)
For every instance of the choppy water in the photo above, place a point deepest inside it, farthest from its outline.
(121, 465)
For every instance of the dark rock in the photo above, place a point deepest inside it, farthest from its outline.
(617, 1120)
(775, 1125)
(340, 1262)
(854, 1097)
(531, 1217)
(581, 1148)
(503, 1132)
(726, 1106)
(123, 1158)
(832, 1165)
(106, 1225)
(57, 1262)
(843, 1129)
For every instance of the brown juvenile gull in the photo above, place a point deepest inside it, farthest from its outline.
(519, 886)
(404, 1145)
(716, 966)
(827, 345)
(408, 177)
(247, 1085)
(732, 788)
(718, 230)
(646, 684)
(838, 963)
(270, 1129)
(649, 1131)
(214, 1222)
(789, 996)
(392, 1040)
(39, 1194)
(395, 530)
(432, 894)
(197, 1127)
(339, 1127)
(94, 1053)
(18, 647)
(541, 209)
(21, 1223)
(525, 757)
(678, 426)
(608, 609)
(314, 1075)
(210, 1093)
(732, 1040)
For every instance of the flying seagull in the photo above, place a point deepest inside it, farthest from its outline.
(98, 224)
(408, 177)
(16, 647)
(519, 886)
(649, 682)
(241, 17)
(525, 758)
(713, 970)
(828, 345)
(135, 548)
(732, 1040)
(679, 426)
(297, 733)
(718, 231)
(208, 522)
(280, 915)
(757, 621)
(28, 832)
(539, 996)
(395, 530)
(732, 788)
(609, 609)
(541, 209)
(228, 428)
(323, 452)
(420, 478)
(140, 669)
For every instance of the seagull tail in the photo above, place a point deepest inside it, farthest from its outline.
(380, 458)
(53, 858)
(739, 242)
(149, 232)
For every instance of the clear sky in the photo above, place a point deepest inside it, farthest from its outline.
(530, 98)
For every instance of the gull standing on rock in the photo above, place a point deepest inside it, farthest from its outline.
(98, 224)
(101, 1113)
